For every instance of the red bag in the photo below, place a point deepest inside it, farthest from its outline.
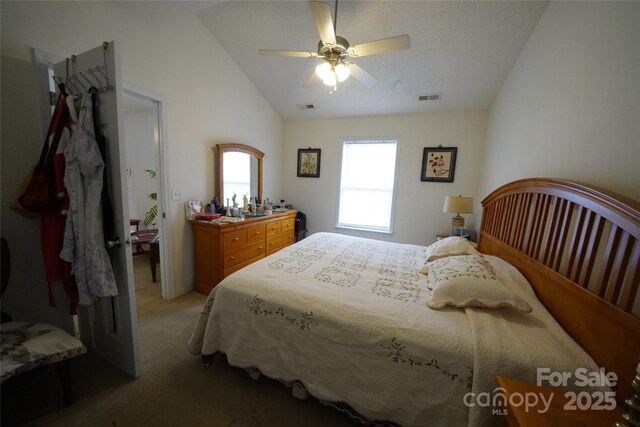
(40, 194)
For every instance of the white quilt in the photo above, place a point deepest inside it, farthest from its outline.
(348, 318)
(514, 344)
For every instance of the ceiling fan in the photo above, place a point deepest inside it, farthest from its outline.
(335, 49)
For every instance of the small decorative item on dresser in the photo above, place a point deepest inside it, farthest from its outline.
(193, 208)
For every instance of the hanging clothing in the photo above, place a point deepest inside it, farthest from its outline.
(52, 223)
(84, 239)
(108, 220)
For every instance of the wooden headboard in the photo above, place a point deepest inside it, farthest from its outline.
(579, 247)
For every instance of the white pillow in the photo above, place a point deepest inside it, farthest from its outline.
(449, 246)
(469, 281)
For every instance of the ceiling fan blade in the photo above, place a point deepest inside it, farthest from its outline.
(380, 46)
(360, 74)
(292, 53)
(322, 17)
(312, 81)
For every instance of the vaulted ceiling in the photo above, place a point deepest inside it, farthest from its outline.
(462, 50)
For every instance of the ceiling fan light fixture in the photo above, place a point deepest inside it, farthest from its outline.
(331, 74)
(323, 71)
(342, 72)
(331, 79)
(334, 49)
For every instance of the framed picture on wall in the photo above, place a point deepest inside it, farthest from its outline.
(438, 164)
(309, 162)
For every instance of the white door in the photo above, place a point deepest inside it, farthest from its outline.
(110, 327)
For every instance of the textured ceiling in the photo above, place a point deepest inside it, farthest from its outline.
(461, 49)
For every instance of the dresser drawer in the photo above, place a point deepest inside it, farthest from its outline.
(234, 240)
(278, 242)
(288, 224)
(274, 228)
(240, 266)
(245, 253)
(256, 234)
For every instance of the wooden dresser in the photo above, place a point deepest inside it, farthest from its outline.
(222, 248)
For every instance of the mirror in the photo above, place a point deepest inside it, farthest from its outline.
(239, 170)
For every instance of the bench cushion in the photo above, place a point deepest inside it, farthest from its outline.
(28, 345)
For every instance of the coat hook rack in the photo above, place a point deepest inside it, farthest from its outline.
(84, 76)
(73, 79)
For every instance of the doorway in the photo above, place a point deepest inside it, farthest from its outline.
(145, 173)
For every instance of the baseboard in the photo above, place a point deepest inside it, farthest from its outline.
(182, 291)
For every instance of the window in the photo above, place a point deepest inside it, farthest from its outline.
(237, 174)
(367, 185)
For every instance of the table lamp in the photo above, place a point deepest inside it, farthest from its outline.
(458, 205)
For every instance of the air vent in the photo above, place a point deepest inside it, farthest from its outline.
(306, 106)
(430, 97)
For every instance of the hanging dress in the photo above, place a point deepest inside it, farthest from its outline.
(84, 238)
(52, 222)
(108, 220)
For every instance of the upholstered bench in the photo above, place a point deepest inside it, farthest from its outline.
(26, 346)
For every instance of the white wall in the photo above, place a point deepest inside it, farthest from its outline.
(570, 108)
(419, 215)
(165, 49)
(21, 139)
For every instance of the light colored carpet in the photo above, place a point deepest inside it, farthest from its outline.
(142, 273)
(173, 390)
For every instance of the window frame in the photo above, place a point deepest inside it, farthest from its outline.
(394, 190)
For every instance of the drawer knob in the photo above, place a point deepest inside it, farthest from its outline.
(260, 248)
(235, 239)
(232, 258)
(257, 233)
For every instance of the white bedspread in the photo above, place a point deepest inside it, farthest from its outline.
(515, 344)
(348, 318)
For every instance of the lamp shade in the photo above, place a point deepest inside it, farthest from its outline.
(323, 70)
(458, 204)
(342, 72)
(330, 80)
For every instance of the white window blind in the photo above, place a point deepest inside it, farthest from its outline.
(367, 183)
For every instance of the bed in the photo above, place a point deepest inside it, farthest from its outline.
(348, 320)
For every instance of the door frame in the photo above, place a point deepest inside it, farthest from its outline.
(164, 214)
